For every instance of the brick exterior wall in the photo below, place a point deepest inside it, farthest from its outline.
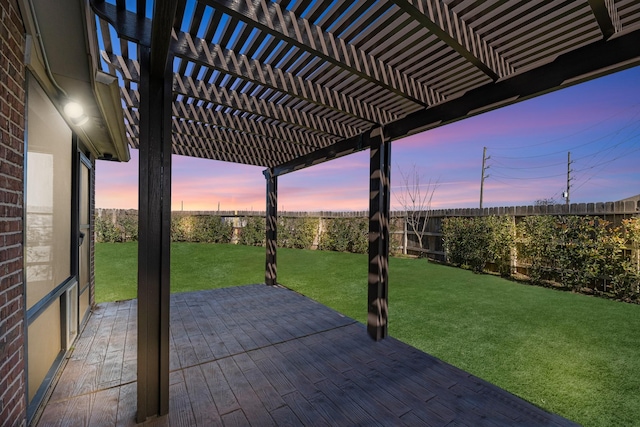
(12, 297)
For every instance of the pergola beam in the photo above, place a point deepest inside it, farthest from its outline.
(184, 146)
(219, 139)
(280, 112)
(290, 141)
(128, 25)
(607, 16)
(566, 70)
(457, 34)
(339, 149)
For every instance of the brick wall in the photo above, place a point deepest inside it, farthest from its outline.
(12, 123)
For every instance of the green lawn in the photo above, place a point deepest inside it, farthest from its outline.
(571, 354)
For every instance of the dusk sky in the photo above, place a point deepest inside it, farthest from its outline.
(597, 121)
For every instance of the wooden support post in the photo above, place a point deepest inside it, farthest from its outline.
(154, 227)
(271, 268)
(379, 204)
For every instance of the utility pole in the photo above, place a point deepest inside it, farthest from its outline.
(483, 176)
(566, 193)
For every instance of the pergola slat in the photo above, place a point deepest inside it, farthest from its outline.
(242, 102)
(466, 42)
(185, 146)
(299, 32)
(217, 57)
(254, 146)
(280, 140)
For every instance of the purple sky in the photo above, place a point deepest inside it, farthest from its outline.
(598, 121)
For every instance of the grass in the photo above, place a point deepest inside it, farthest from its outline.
(571, 354)
(194, 266)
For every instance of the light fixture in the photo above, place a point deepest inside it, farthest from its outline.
(75, 112)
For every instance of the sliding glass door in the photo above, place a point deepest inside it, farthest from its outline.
(57, 241)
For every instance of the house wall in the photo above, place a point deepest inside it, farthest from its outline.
(12, 293)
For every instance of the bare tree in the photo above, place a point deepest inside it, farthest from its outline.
(415, 198)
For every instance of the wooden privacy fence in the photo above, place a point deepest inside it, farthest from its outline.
(404, 240)
(613, 212)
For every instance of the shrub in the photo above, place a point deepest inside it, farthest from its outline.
(583, 250)
(254, 231)
(625, 278)
(128, 225)
(106, 230)
(345, 235)
(499, 241)
(298, 233)
(474, 242)
(536, 245)
(454, 230)
(213, 229)
(204, 229)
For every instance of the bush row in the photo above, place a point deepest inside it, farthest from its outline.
(585, 254)
(205, 229)
(474, 242)
(339, 234)
(209, 229)
(124, 229)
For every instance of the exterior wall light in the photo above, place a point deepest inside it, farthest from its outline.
(75, 112)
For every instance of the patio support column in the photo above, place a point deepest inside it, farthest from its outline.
(271, 268)
(379, 203)
(154, 227)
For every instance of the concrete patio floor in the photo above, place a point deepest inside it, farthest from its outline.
(259, 355)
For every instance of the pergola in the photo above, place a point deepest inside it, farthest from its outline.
(287, 84)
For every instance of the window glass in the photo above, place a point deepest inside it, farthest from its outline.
(48, 196)
(44, 346)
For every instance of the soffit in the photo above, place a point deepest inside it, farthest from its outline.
(60, 27)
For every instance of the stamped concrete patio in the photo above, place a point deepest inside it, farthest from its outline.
(259, 355)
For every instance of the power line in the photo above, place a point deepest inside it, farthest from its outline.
(595, 160)
(631, 123)
(553, 141)
(601, 166)
(503, 166)
(528, 177)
